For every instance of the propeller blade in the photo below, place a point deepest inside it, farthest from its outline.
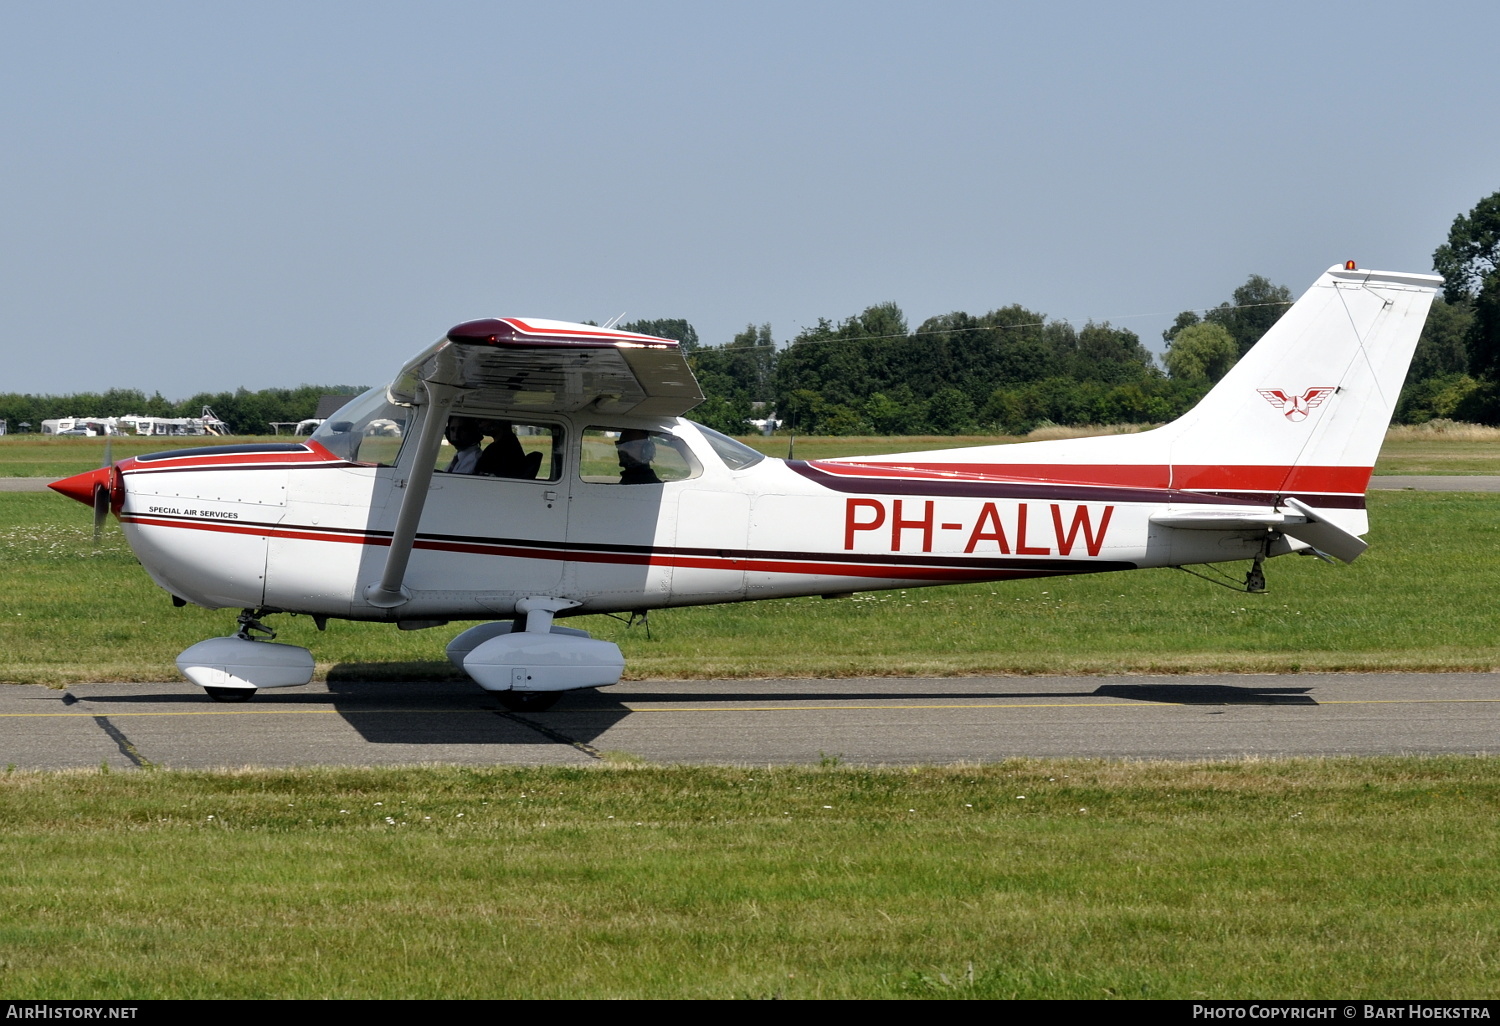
(101, 509)
(109, 442)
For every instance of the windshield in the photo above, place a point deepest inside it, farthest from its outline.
(367, 429)
(736, 455)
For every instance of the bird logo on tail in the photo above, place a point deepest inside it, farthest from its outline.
(1297, 406)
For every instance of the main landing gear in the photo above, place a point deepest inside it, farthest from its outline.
(1255, 579)
(230, 694)
(528, 663)
(527, 701)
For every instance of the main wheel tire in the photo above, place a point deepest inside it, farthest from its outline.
(528, 701)
(230, 694)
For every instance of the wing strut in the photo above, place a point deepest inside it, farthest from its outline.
(391, 592)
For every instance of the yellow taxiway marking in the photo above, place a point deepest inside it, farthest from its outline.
(1404, 701)
(628, 708)
(1139, 703)
(108, 714)
(824, 708)
(1070, 705)
(1142, 703)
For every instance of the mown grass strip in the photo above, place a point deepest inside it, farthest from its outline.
(1052, 878)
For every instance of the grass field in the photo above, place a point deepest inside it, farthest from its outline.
(1370, 878)
(1439, 448)
(51, 456)
(1421, 598)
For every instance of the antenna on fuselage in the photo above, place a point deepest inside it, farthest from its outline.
(615, 320)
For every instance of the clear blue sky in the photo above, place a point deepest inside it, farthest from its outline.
(199, 196)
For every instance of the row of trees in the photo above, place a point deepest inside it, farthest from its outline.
(1008, 370)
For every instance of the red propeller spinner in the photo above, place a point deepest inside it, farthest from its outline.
(102, 489)
(82, 486)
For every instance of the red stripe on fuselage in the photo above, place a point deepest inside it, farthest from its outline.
(807, 564)
(1159, 476)
(318, 456)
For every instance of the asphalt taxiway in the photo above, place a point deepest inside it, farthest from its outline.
(865, 720)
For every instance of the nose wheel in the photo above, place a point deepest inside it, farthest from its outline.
(232, 669)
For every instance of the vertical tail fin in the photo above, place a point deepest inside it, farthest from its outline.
(1305, 411)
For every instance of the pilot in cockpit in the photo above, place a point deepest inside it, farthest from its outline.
(464, 434)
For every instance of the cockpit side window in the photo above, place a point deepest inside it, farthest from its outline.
(635, 456)
(491, 447)
(367, 429)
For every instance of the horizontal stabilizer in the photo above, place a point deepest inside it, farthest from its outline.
(1323, 535)
(1303, 523)
(1221, 520)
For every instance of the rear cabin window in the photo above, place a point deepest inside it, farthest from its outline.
(517, 450)
(635, 456)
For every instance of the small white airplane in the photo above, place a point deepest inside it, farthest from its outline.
(595, 495)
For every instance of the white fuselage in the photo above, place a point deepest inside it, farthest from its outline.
(303, 531)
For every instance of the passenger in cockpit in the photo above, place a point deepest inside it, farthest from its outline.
(636, 450)
(504, 457)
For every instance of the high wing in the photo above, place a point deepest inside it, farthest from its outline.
(514, 364)
(511, 365)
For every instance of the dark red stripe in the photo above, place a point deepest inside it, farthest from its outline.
(894, 566)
